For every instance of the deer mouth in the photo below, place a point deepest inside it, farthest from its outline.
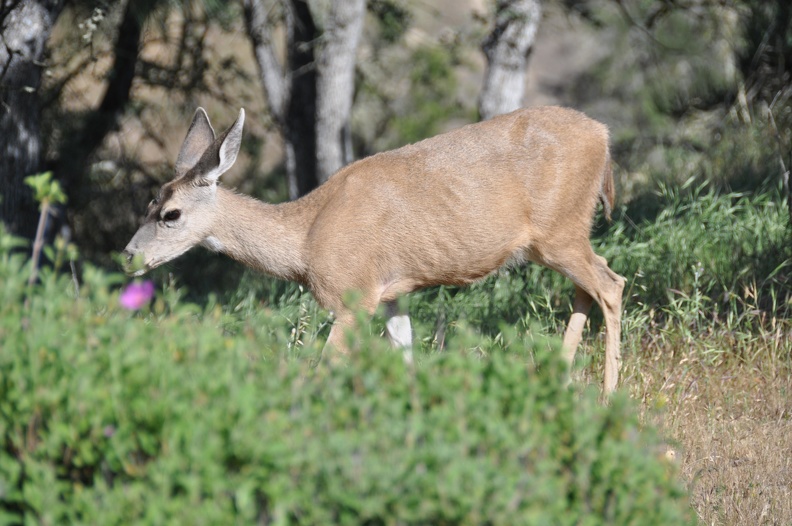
(136, 271)
(133, 264)
(136, 265)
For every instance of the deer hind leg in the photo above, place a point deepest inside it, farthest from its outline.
(398, 329)
(611, 305)
(594, 280)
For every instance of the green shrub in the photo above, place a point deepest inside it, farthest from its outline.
(162, 417)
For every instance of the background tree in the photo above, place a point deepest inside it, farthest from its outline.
(116, 96)
(697, 91)
(507, 48)
(310, 92)
(25, 27)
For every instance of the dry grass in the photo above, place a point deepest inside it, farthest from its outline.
(724, 401)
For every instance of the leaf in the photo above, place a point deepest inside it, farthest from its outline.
(45, 189)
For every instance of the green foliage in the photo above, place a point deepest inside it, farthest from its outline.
(765, 49)
(45, 190)
(178, 414)
(706, 243)
(702, 81)
(432, 94)
(394, 19)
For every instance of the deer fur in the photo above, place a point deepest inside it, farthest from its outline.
(448, 210)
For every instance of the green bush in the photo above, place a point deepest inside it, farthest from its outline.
(162, 416)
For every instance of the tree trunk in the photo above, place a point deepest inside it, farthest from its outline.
(290, 89)
(299, 125)
(310, 96)
(25, 27)
(336, 85)
(507, 49)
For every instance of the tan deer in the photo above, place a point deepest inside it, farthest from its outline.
(445, 211)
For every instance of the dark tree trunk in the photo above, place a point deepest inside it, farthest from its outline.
(25, 27)
(299, 125)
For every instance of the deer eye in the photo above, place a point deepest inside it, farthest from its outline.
(171, 215)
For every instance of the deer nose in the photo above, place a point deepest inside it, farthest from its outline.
(127, 255)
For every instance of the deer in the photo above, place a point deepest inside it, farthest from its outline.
(448, 210)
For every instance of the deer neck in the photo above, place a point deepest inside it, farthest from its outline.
(268, 238)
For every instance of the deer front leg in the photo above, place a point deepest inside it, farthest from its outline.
(398, 329)
(574, 330)
(336, 349)
(577, 321)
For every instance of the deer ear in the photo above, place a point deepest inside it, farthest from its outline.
(227, 149)
(199, 138)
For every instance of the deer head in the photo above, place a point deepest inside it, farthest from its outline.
(182, 214)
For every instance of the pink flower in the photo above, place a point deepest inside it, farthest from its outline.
(136, 295)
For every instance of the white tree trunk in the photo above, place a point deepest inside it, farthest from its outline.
(335, 84)
(507, 49)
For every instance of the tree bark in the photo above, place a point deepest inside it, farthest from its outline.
(274, 81)
(290, 88)
(507, 49)
(299, 128)
(25, 27)
(336, 85)
(310, 95)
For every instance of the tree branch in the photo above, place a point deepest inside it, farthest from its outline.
(25, 27)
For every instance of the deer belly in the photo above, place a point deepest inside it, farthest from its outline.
(455, 262)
